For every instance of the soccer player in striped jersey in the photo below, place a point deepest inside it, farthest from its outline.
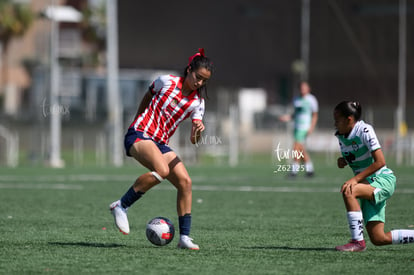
(169, 100)
(372, 184)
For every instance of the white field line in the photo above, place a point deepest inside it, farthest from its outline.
(62, 178)
(279, 189)
(97, 178)
(37, 186)
(58, 182)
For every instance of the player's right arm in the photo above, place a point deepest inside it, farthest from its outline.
(146, 100)
(285, 118)
(313, 123)
(379, 162)
(341, 162)
(315, 109)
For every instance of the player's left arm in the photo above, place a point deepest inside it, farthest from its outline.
(196, 129)
(313, 122)
(197, 122)
(315, 109)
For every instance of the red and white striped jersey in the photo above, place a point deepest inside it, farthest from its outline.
(168, 108)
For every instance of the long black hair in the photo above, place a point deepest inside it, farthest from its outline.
(200, 61)
(350, 108)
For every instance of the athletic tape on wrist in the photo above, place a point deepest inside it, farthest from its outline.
(157, 176)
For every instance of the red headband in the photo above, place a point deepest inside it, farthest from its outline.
(200, 53)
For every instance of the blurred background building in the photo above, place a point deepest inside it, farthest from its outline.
(260, 49)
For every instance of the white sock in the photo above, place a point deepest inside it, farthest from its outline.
(402, 236)
(295, 167)
(309, 166)
(356, 225)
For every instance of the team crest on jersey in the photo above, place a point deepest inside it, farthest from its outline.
(174, 103)
(355, 146)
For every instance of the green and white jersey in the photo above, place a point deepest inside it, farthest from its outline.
(304, 108)
(357, 147)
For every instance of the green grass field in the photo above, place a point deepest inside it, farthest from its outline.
(247, 220)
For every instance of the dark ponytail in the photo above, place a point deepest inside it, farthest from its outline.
(350, 108)
(200, 61)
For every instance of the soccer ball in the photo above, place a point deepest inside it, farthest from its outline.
(160, 231)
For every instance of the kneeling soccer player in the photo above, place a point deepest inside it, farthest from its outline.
(372, 184)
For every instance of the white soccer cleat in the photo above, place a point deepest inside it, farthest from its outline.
(186, 242)
(120, 216)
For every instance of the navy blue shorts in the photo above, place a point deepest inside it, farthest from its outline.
(133, 136)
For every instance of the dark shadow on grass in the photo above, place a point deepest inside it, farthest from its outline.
(291, 248)
(86, 244)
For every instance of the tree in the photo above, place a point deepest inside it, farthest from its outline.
(93, 28)
(15, 20)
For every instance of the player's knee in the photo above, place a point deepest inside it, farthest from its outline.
(185, 184)
(163, 171)
(159, 176)
(378, 240)
(347, 195)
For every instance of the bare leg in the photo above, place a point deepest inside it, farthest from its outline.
(354, 215)
(304, 157)
(299, 147)
(361, 190)
(148, 154)
(181, 180)
(376, 233)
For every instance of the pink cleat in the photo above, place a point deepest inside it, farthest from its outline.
(353, 246)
